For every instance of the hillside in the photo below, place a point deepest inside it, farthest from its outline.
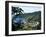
(31, 20)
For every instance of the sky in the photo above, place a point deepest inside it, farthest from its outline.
(30, 9)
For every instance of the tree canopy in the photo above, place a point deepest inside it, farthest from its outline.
(16, 10)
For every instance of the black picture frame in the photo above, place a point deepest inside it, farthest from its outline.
(7, 17)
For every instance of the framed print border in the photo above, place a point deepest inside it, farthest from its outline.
(7, 17)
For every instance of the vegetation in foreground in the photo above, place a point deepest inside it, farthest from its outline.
(27, 21)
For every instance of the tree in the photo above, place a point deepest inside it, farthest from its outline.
(17, 10)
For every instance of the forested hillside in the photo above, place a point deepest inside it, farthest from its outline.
(33, 21)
